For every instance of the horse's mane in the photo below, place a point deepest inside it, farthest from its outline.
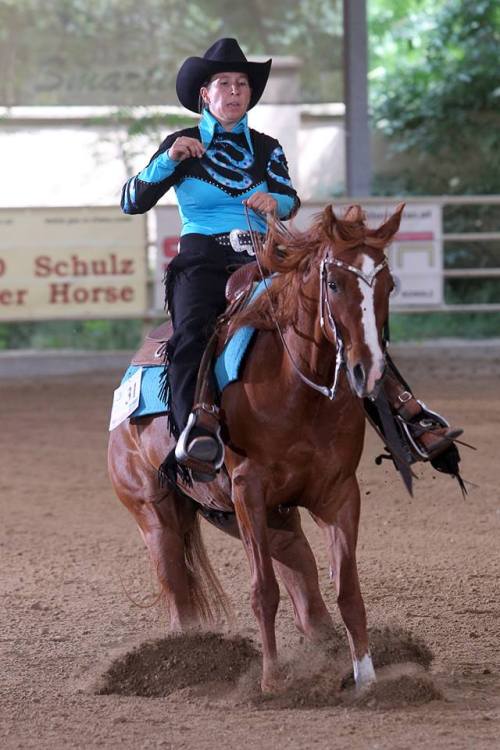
(292, 253)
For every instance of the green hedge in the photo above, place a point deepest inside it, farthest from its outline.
(127, 334)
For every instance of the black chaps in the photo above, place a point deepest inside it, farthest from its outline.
(195, 284)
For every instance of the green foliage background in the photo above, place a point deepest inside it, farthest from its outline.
(435, 94)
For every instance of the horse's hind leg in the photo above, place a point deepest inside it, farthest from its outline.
(164, 530)
(165, 525)
(295, 564)
(341, 541)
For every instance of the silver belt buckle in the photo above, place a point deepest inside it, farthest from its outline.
(239, 246)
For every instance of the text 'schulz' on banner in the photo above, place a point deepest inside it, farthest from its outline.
(71, 263)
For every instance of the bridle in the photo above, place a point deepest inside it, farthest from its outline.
(324, 302)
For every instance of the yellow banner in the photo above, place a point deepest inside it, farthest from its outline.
(71, 263)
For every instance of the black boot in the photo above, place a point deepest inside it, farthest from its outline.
(429, 433)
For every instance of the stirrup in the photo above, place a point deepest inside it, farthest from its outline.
(203, 454)
(427, 419)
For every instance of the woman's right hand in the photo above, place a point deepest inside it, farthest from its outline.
(185, 148)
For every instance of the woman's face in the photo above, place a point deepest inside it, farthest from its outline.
(227, 95)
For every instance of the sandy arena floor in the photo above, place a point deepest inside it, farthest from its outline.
(73, 565)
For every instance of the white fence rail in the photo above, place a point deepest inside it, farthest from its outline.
(430, 279)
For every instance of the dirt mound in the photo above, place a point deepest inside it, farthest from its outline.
(315, 676)
(397, 686)
(311, 676)
(159, 668)
(398, 646)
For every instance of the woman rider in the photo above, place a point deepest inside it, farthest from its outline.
(216, 169)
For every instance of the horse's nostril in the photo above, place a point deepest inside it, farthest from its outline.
(358, 372)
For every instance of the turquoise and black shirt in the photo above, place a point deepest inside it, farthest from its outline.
(210, 190)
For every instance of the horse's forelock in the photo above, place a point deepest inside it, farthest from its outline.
(355, 214)
(351, 231)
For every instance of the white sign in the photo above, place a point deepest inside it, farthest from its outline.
(126, 399)
(416, 253)
(71, 263)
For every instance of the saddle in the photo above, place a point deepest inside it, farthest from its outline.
(238, 289)
(240, 283)
(152, 351)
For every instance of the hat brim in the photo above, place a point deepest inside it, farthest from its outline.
(196, 71)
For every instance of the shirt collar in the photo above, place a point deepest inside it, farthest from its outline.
(209, 125)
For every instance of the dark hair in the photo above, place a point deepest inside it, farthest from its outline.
(201, 103)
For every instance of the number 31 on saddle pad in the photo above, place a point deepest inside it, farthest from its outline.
(126, 399)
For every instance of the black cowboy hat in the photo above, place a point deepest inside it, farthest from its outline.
(223, 56)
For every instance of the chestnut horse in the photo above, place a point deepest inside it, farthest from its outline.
(294, 440)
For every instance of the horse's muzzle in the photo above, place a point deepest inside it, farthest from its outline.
(365, 382)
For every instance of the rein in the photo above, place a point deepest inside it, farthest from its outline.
(331, 392)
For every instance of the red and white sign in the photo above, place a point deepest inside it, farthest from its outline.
(415, 255)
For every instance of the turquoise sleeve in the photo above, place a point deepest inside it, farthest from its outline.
(285, 204)
(159, 169)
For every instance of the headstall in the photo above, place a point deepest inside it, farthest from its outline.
(369, 279)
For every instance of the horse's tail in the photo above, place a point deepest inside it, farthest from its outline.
(207, 595)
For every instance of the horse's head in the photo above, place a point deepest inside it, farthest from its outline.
(356, 284)
(354, 288)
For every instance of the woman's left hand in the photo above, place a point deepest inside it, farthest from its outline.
(262, 202)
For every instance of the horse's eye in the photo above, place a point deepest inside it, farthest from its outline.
(333, 286)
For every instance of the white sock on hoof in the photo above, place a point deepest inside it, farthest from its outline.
(364, 673)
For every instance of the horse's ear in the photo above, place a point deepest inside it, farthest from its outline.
(389, 228)
(328, 221)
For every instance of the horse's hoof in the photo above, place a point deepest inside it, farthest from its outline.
(272, 686)
(364, 686)
(271, 691)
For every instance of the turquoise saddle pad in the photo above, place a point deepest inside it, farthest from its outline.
(149, 401)
(227, 369)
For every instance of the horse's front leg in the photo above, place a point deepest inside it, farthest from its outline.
(295, 564)
(341, 539)
(250, 506)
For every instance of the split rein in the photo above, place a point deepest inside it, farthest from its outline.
(324, 301)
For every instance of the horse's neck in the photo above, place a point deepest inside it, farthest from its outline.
(311, 351)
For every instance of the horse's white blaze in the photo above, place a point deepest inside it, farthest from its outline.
(364, 673)
(370, 325)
